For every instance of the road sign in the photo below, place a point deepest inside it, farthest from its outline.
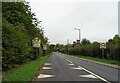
(36, 42)
(102, 45)
(44, 47)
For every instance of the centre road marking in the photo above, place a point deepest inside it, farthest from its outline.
(89, 72)
(94, 74)
(69, 61)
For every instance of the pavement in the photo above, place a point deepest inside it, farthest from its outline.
(60, 67)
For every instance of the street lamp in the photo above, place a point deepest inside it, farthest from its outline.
(79, 37)
(79, 32)
(67, 45)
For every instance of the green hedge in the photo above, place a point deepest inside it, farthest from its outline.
(93, 49)
(19, 27)
(25, 72)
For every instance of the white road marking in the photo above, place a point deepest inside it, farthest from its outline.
(88, 76)
(69, 61)
(70, 64)
(48, 64)
(78, 68)
(45, 76)
(47, 68)
(94, 75)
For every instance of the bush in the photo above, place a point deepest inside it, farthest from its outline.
(93, 49)
(18, 29)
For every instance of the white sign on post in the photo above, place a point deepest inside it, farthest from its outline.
(102, 45)
(44, 47)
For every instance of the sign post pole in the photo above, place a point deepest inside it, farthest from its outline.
(36, 43)
(102, 46)
(102, 52)
(36, 54)
(44, 49)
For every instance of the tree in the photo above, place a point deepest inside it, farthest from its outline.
(19, 27)
(85, 41)
(52, 46)
(93, 49)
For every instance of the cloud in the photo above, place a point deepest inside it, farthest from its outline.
(98, 21)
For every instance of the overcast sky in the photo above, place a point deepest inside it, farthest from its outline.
(97, 19)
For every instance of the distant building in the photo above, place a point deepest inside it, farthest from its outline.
(78, 41)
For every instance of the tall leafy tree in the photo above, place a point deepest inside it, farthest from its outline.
(85, 41)
(20, 26)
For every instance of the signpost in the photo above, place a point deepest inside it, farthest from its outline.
(44, 48)
(36, 43)
(102, 46)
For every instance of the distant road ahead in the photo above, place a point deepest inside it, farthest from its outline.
(60, 67)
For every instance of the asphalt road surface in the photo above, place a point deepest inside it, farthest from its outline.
(61, 67)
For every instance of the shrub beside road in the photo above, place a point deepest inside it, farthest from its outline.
(25, 72)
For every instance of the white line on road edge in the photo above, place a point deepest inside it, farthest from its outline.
(94, 74)
(71, 63)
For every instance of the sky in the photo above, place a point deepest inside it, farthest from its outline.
(97, 19)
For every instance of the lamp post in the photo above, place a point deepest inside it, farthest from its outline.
(79, 37)
(79, 32)
(67, 45)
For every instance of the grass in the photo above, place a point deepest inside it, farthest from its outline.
(0, 78)
(25, 72)
(99, 59)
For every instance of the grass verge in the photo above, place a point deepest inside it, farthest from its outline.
(98, 59)
(25, 72)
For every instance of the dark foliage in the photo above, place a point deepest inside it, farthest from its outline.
(18, 29)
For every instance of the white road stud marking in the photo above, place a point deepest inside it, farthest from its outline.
(94, 75)
(78, 68)
(45, 76)
(47, 68)
(69, 61)
(70, 64)
(48, 64)
(88, 76)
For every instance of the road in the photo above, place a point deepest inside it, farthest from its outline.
(61, 67)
